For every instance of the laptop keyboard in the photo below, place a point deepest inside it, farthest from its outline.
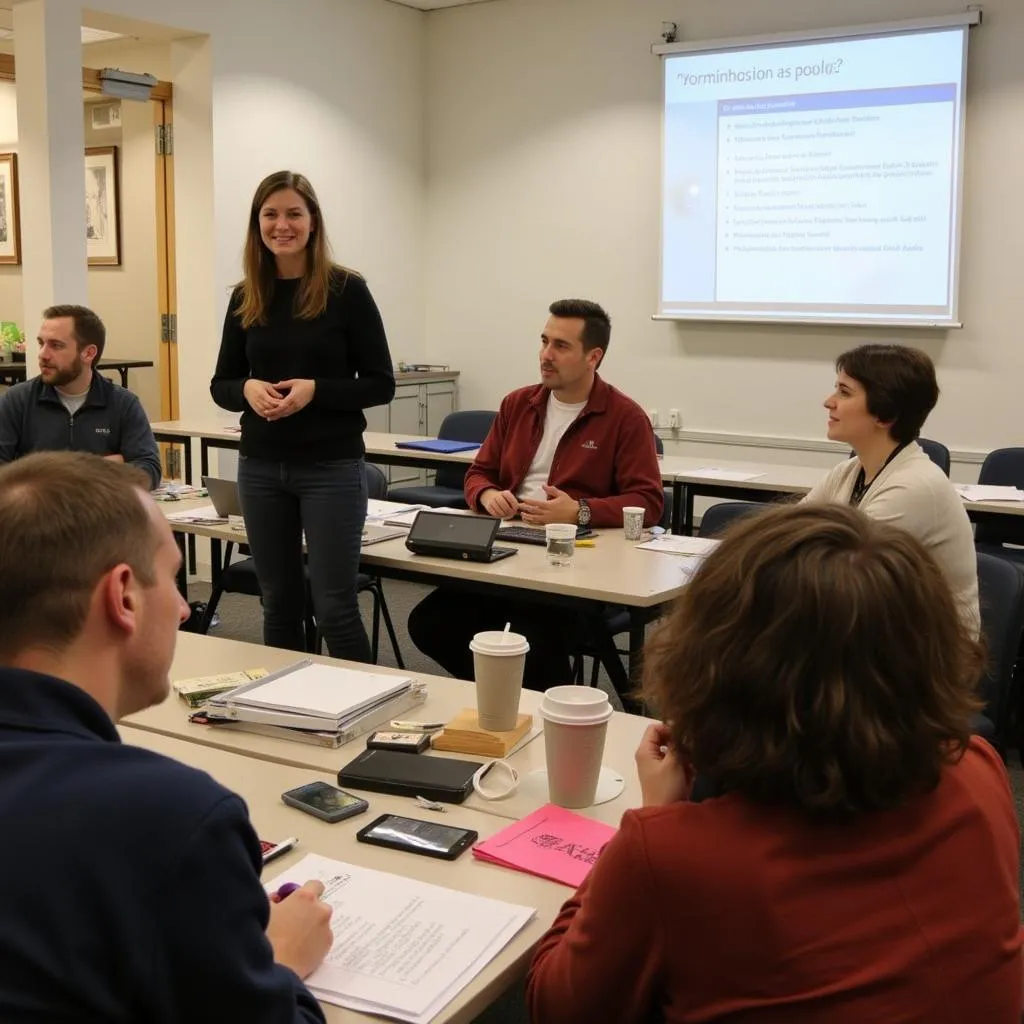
(535, 534)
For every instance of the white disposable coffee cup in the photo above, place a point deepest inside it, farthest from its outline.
(498, 662)
(575, 724)
(633, 522)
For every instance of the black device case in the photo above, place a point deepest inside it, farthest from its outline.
(447, 779)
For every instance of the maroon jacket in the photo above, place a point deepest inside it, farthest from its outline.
(730, 911)
(606, 456)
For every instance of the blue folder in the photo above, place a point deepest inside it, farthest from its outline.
(438, 444)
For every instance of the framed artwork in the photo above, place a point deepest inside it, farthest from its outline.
(10, 225)
(102, 207)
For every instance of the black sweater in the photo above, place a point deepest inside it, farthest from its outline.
(345, 351)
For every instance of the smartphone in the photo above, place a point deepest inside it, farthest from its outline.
(324, 801)
(413, 835)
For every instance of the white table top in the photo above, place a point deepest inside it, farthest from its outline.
(198, 655)
(261, 783)
(613, 571)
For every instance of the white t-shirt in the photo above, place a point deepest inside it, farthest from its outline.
(557, 420)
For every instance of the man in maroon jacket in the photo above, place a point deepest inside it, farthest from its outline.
(571, 449)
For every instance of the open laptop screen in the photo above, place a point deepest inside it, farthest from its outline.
(445, 530)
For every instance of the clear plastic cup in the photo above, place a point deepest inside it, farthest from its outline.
(561, 542)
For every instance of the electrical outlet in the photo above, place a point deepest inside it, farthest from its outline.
(652, 415)
(673, 419)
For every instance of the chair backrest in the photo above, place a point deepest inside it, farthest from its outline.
(465, 425)
(376, 482)
(717, 519)
(937, 452)
(1001, 595)
(1003, 467)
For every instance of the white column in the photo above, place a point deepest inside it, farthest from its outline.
(51, 155)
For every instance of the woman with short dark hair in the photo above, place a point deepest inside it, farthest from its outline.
(822, 838)
(883, 394)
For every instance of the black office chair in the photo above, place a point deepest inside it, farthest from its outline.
(1003, 467)
(937, 452)
(719, 517)
(1001, 595)
(468, 425)
(240, 578)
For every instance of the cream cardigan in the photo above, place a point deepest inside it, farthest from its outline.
(913, 493)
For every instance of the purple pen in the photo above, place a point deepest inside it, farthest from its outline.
(286, 890)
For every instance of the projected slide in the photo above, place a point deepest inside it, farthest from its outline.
(815, 181)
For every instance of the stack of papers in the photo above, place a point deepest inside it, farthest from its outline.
(672, 545)
(980, 492)
(552, 842)
(198, 690)
(203, 514)
(402, 949)
(714, 473)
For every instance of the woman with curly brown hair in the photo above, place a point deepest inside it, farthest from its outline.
(821, 839)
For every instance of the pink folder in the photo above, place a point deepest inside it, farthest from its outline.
(552, 842)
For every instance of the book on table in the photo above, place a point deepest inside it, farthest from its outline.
(310, 695)
(369, 720)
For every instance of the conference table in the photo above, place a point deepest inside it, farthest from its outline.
(212, 433)
(612, 572)
(199, 655)
(260, 768)
(260, 784)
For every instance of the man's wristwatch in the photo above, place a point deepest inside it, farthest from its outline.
(583, 515)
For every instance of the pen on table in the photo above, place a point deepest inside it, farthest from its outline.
(585, 544)
(280, 848)
(400, 725)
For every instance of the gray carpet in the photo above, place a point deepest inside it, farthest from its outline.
(240, 619)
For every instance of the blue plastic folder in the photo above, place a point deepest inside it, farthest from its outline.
(438, 444)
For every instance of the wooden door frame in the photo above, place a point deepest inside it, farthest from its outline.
(161, 98)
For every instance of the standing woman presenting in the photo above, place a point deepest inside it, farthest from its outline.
(302, 354)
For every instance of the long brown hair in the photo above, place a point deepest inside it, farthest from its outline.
(257, 287)
(817, 660)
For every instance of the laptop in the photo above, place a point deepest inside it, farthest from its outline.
(470, 538)
(223, 495)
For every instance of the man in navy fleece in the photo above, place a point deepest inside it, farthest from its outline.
(132, 889)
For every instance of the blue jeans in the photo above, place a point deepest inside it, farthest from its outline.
(328, 501)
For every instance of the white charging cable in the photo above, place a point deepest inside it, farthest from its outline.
(499, 792)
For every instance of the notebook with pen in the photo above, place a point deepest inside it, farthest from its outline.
(438, 444)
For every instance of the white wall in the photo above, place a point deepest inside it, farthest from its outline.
(328, 87)
(543, 181)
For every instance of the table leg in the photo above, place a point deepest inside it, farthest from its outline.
(204, 457)
(182, 578)
(677, 506)
(123, 370)
(688, 514)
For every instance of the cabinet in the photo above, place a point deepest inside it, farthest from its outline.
(421, 402)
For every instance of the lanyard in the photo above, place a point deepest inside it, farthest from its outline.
(860, 487)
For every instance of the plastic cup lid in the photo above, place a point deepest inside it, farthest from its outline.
(575, 705)
(498, 643)
(560, 530)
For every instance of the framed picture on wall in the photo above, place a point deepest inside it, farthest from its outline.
(102, 207)
(10, 225)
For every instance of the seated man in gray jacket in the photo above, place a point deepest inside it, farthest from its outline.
(71, 407)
